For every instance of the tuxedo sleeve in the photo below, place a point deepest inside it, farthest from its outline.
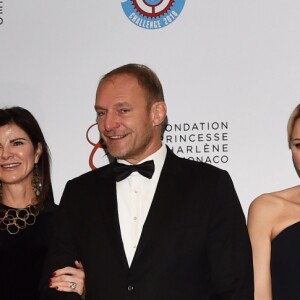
(62, 252)
(229, 248)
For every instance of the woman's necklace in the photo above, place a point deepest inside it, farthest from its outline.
(15, 219)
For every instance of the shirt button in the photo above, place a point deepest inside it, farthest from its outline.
(130, 288)
(134, 218)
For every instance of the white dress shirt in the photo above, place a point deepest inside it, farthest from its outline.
(134, 196)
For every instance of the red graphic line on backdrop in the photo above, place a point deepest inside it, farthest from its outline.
(96, 146)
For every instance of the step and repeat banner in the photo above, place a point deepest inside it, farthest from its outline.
(230, 71)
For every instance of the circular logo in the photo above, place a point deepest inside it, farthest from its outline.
(152, 14)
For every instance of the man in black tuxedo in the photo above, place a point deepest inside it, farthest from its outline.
(151, 225)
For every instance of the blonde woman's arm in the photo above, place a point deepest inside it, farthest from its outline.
(260, 222)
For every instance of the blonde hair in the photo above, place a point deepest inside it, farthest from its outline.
(295, 115)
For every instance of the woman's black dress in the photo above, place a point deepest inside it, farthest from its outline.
(285, 264)
(22, 256)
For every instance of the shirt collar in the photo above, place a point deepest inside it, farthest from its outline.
(158, 157)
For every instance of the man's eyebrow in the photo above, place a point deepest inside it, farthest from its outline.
(122, 103)
(118, 104)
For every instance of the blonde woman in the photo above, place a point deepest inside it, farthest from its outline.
(274, 228)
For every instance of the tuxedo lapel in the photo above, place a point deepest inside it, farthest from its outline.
(110, 217)
(158, 216)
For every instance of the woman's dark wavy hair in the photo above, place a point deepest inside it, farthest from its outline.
(26, 121)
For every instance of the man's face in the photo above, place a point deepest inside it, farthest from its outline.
(126, 124)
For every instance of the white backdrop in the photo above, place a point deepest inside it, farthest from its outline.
(231, 62)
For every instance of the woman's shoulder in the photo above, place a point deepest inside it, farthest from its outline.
(270, 209)
(276, 200)
(290, 195)
(267, 202)
(265, 208)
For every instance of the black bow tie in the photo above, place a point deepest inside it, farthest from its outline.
(122, 171)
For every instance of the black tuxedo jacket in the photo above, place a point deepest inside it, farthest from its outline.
(194, 244)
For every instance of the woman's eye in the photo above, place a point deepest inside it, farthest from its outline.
(296, 145)
(18, 143)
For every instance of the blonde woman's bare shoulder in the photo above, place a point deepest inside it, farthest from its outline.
(265, 208)
(266, 201)
(269, 207)
(278, 198)
(289, 195)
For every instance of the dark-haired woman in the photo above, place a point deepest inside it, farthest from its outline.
(26, 209)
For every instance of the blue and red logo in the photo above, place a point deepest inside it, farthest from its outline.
(152, 14)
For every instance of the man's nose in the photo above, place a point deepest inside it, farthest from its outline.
(111, 121)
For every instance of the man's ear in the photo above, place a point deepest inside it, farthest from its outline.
(159, 113)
